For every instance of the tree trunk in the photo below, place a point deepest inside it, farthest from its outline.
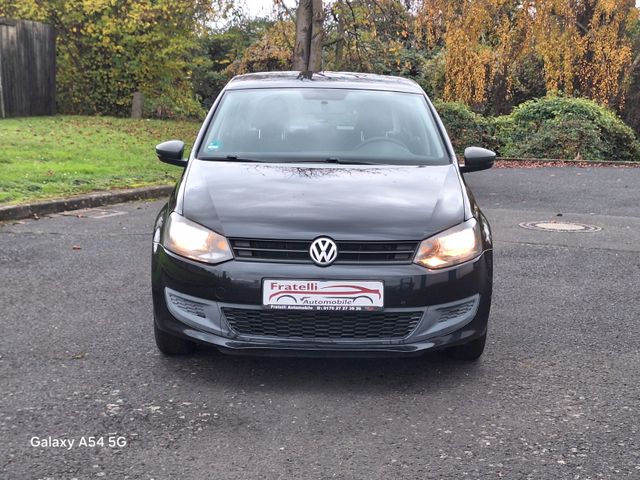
(340, 42)
(315, 52)
(303, 35)
(307, 53)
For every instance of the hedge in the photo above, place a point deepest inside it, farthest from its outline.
(550, 127)
(565, 128)
(465, 127)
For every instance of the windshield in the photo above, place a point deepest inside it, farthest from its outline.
(309, 124)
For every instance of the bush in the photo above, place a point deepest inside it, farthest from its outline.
(179, 104)
(107, 50)
(465, 127)
(565, 128)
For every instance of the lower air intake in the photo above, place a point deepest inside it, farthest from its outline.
(310, 324)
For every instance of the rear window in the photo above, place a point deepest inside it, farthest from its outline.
(304, 124)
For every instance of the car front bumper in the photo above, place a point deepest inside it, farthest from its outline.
(190, 299)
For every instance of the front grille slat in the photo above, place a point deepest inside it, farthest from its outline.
(251, 249)
(322, 324)
(297, 251)
(374, 252)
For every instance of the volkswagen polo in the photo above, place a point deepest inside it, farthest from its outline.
(322, 216)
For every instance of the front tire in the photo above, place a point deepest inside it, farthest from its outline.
(469, 352)
(171, 345)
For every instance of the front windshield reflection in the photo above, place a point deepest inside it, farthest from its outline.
(313, 124)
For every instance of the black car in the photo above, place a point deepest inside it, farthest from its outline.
(322, 216)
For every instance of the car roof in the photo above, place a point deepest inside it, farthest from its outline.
(364, 81)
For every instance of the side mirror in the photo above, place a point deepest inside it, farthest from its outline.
(171, 152)
(476, 158)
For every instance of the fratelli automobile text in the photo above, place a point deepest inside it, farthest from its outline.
(323, 295)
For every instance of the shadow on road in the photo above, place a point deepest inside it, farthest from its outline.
(433, 371)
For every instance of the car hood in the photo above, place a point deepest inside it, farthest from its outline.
(345, 202)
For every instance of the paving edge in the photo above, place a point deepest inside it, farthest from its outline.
(607, 163)
(91, 200)
(567, 162)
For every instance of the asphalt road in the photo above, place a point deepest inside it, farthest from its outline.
(556, 395)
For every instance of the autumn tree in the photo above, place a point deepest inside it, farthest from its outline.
(582, 45)
(480, 39)
(272, 51)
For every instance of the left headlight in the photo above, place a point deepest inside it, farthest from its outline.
(451, 247)
(188, 239)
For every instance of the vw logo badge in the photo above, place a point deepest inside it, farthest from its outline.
(323, 251)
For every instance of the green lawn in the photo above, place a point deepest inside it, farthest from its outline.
(49, 157)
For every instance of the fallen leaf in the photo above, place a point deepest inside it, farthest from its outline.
(76, 247)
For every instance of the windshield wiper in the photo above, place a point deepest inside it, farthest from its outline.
(236, 158)
(348, 162)
(337, 160)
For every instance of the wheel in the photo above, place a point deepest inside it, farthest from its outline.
(171, 345)
(469, 352)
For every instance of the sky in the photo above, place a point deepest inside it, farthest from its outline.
(255, 8)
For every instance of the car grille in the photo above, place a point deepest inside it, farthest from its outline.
(297, 251)
(322, 324)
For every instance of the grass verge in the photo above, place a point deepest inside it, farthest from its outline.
(50, 157)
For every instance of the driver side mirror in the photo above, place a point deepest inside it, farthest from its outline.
(171, 152)
(476, 158)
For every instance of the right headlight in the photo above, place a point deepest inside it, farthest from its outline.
(451, 247)
(191, 240)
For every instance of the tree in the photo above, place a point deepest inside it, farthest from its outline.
(583, 46)
(481, 41)
(272, 51)
(370, 36)
(222, 51)
(307, 53)
(108, 49)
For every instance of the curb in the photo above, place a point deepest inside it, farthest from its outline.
(579, 163)
(607, 163)
(16, 212)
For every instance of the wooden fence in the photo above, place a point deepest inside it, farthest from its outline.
(27, 68)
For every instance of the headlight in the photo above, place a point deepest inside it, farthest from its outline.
(194, 241)
(451, 247)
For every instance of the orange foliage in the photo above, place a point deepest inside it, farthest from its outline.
(583, 44)
(480, 39)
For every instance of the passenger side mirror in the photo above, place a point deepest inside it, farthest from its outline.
(476, 158)
(171, 152)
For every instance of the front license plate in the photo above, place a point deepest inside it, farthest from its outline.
(322, 294)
